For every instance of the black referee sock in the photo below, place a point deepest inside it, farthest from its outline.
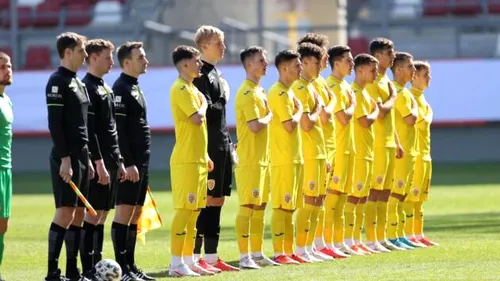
(72, 241)
(131, 241)
(200, 231)
(212, 229)
(98, 243)
(119, 234)
(87, 246)
(56, 239)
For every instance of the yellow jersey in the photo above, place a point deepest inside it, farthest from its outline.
(384, 128)
(363, 137)
(404, 104)
(423, 124)
(251, 104)
(285, 147)
(344, 133)
(313, 141)
(191, 140)
(320, 86)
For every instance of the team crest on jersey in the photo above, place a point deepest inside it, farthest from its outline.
(255, 193)
(183, 87)
(336, 179)
(359, 186)
(288, 198)
(416, 191)
(191, 198)
(211, 184)
(312, 185)
(401, 183)
(380, 179)
(282, 93)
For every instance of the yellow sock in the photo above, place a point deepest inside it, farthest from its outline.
(321, 223)
(314, 225)
(371, 220)
(289, 233)
(278, 231)
(257, 226)
(409, 208)
(358, 223)
(418, 225)
(330, 204)
(190, 235)
(338, 220)
(381, 221)
(178, 231)
(402, 220)
(303, 222)
(350, 218)
(242, 226)
(392, 218)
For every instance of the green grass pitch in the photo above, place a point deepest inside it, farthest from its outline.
(462, 215)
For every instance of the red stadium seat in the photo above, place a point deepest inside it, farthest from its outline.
(47, 14)
(494, 6)
(79, 13)
(24, 17)
(358, 45)
(38, 57)
(436, 7)
(7, 50)
(467, 7)
(4, 4)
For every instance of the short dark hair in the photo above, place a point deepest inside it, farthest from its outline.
(4, 56)
(421, 65)
(96, 46)
(316, 39)
(125, 51)
(285, 56)
(68, 40)
(400, 58)
(364, 59)
(380, 44)
(336, 53)
(249, 52)
(310, 50)
(184, 52)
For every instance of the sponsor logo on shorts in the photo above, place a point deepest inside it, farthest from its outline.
(211, 184)
(255, 193)
(288, 198)
(191, 198)
(312, 185)
(401, 183)
(359, 185)
(336, 179)
(380, 179)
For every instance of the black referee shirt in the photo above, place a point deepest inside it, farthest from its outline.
(134, 135)
(67, 103)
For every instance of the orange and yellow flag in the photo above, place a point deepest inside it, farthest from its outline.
(150, 217)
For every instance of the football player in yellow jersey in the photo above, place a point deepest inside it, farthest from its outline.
(313, 147)
(342, 64)
(189, 162)
(365, 114)
(328, 127)
(252, 171)
(405, 112)
(286, 156)
(386, 148)
(423, 167)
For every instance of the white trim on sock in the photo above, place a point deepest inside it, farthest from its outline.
(319, 242)
(176, 261)
(211, 258)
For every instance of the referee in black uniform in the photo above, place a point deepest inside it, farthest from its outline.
(134, 137)
(67, 103)
(104, 150)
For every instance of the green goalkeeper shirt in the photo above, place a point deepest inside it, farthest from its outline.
(6, 118)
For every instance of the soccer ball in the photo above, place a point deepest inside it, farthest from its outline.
(108, 270)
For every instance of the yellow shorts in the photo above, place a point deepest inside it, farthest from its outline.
(189, 185)
(383, 168)
(314, 177)
(403, 174)
(331, 160)
(419, 191)
(286, 186)
(251, 184)
(363, 169)
(343, 173)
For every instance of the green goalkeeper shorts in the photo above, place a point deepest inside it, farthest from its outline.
(5, 192)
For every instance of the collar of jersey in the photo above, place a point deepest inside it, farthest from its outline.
(66, 72)
(129, 79)
(416, 92)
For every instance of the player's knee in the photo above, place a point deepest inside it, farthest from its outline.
(374, 195)
(4, 225)
(260, 207)
(103, 217)
(137, 215)
(215, 201)
(353, 199)
(92, 219)
(384, 195)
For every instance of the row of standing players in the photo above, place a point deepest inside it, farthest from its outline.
(335, 153)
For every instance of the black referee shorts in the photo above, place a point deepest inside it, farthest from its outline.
(221, 178)
(133, 193)
(103, 197)
(64, 196)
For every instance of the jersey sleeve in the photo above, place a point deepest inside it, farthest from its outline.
(121, 104)
(282, 106)
(249, 107)
(303, 95)
(374, 93)
(403, 104)
(55, 109)
(93, 112)
(185, 100)
(362, 107)
(341, 100)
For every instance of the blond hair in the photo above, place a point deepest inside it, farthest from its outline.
(205, 33)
